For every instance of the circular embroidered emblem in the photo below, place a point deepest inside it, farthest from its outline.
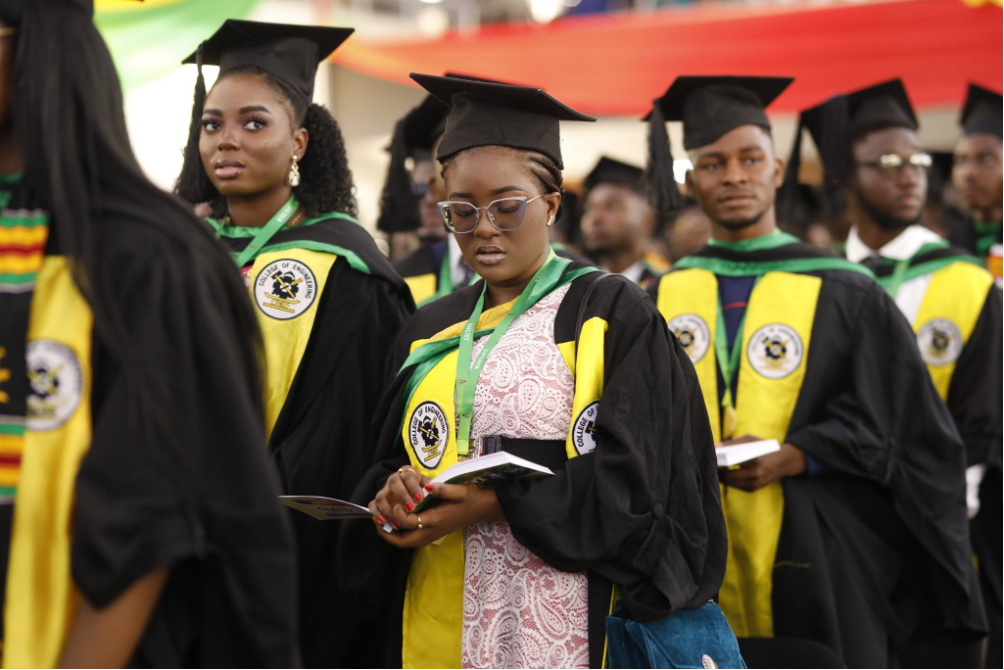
(940, 342)
(693, 333)
(428, 432)
(775, 350)
(707, 662)
(584, 429)
(55, 384)
(285, 289)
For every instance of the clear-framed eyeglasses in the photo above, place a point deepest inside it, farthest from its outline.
(891, 164)
(505, 214)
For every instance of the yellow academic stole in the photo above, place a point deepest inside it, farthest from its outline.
(775, 348)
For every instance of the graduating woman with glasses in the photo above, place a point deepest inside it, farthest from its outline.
(555, 362)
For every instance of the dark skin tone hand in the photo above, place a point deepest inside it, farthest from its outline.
(759, 472)
(463, 505)
(507, 261)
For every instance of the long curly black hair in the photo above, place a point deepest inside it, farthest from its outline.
(325, 182)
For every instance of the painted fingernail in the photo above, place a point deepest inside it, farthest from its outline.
(429, 487)
(394, 524)
(409, 506)
(418, 497)
(381, 519)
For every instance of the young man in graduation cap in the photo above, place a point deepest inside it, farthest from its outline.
(792, 344)
(617, 222)
(977, 174)
(869, 146)
(272, 165)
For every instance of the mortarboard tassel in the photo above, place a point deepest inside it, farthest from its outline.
(191, 153)
(660, 182)
(834, 144)
(398, 205)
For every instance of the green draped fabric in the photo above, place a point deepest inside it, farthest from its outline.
(149, 41)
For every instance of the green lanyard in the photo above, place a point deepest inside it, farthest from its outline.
(467, 374)
(728, 361)
(899, 270)
(267, 232)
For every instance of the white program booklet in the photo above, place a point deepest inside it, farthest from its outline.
(485, 472)
(734, 454)
(323, 508)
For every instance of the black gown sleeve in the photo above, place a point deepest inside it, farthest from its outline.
(974, 396)
(643, 509)
(887, 425)
(320, 447)
(189, 487)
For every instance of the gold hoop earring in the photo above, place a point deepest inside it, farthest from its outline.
(294, 173)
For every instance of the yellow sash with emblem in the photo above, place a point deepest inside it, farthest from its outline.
(775, 347)
(285, 286)
(41, 597)
(948, 313)
(433, 608)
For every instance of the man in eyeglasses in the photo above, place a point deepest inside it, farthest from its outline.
(868, 144)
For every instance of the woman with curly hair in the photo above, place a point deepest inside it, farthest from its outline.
(272, 166)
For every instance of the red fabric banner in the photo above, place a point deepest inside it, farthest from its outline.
(616, 64)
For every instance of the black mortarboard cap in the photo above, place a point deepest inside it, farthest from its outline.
(288, 52)
(611, 171)
(982, 112)
(414, 137)
(709, 107)
(840, 121)
(492, 114)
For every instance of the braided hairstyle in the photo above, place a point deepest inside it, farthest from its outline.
(542, 167)
(326, 181)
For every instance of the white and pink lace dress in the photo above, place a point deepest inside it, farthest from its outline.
(519, 612)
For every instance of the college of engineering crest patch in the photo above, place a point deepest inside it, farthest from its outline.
(428, 433)
(940, 342)
(584, 429)
(775, 350)
(284, 289)
(693, 333)
(55, 384)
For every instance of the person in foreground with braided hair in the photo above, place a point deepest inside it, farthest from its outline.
(572, 369)
(273, 167)
(146, 527)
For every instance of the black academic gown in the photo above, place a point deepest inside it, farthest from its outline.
(318, 441)
(657, 530)
(975, 402)
(874, 550)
